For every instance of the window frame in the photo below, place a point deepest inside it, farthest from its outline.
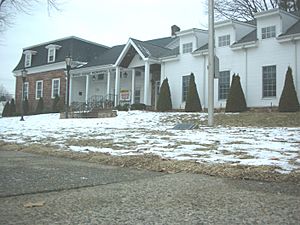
(52, 88)
(37, 90)
(28, 59)
(269, 83)
(223, 84)
(25, 90)
(268, 32)
(185, 87)
(137, 98)
(224, 40)
(51, 50)
(187, 47)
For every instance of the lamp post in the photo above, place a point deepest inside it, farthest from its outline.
(211, 64)
(23, 74)
(68, 66)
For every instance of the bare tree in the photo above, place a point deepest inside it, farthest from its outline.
(244, 10)
(10, 8)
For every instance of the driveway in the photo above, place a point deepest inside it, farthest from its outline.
(66, 191)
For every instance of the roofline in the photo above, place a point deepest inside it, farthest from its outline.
(231, 22)
(290, 37)
(273, 12)
(65, 38)
(91, 68)
(189, 31)
(243, 45)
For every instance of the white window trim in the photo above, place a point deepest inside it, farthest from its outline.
(26, 84)
(36, 90)
(187, 47)
(265, 33)
(28, 58)
(52, 87)
(54, 53)
(224, 42)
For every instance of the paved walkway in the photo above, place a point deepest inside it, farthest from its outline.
(74, 192)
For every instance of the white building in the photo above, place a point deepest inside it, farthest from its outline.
(260, 52)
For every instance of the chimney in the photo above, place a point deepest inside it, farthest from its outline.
(174, 29)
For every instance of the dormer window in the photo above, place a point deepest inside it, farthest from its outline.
(224, 40)
(268, 32)
(51, 55)
(187, 47)
(52, 52)
(27, 59)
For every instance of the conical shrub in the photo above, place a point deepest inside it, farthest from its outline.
(40, 106)
(6, 110)
(193, 103)
(164, 102)
(288, 100)
(236, 101)
(12, 107)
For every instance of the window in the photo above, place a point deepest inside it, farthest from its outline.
(188, 47)
(138, 73)
(25, 90)
(27, 59)
(268, 32)
(224, 40)
(51, 55)
(224, 84)
(137, 96)
(55, 88)
(269, 81)
(185, 87)
(100, 76)
(39, 89)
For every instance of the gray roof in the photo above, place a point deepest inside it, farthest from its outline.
(151, 50)
(295, 29)
(80, 50)
(202, 48)
(252, 36)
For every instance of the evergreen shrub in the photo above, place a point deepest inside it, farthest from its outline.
(193, 103)
(164, 102)
(40, 106)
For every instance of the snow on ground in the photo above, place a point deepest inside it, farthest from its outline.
(137, 133)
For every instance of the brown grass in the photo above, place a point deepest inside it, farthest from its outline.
(155, 163)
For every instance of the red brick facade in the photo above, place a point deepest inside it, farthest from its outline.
(47, 78)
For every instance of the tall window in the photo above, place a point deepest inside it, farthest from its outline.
(268, 32)
(137, 96)
(51, 55)
(25, 90)
(27, 60)
(185, 87)
(55, 88)
(269, 81)
(188, 47)
(224, 84)
(224, 40)
(39, 89)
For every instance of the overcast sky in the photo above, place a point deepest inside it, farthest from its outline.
(109, 23)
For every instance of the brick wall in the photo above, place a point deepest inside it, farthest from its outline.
(46, 77)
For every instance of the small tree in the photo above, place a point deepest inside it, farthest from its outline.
(12, 107)
(288, 100)
(6, 110)
(25, 106)
(193, 103)
(40, 106)
(56, 104)
(164, 102)
(236, 101)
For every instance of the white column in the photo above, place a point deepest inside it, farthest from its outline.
(108, 84)
(117, 86)
(87, 86)
(132, 85)
(147, 83)
(70, 91)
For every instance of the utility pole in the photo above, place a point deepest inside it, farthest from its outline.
(211, 61)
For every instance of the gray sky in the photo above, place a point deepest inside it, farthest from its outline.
(109, 23)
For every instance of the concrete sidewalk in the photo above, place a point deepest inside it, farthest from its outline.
(74, 192)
